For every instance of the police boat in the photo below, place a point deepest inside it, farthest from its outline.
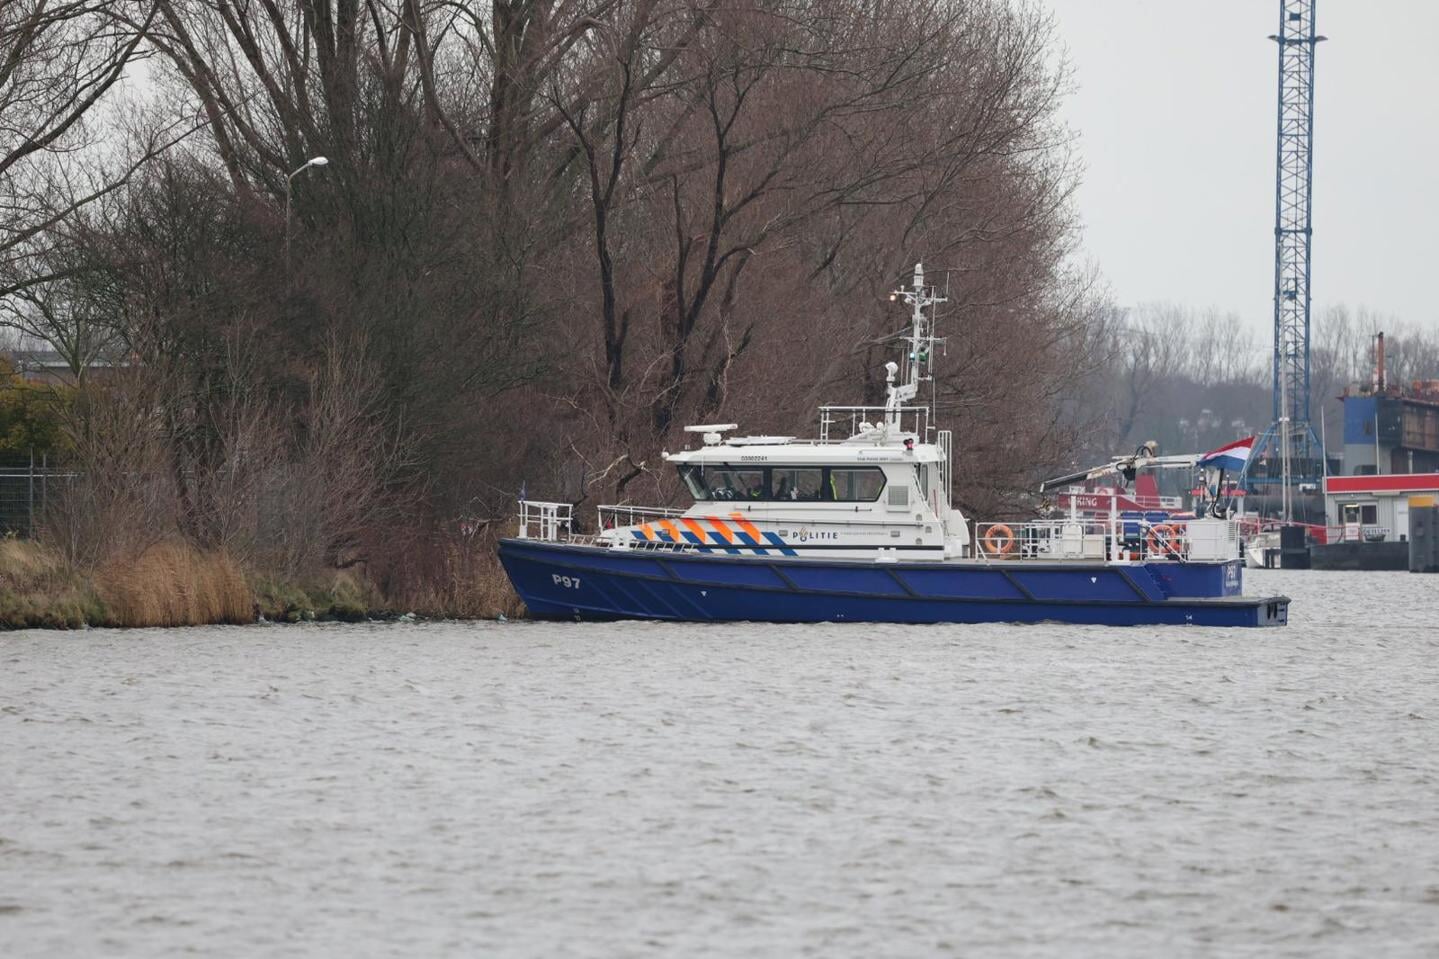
(858, 525)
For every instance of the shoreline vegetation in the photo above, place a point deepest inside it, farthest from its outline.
(290, 327)
(332, 292)
(174, 584)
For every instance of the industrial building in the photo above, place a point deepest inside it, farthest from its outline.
(1389, 431)
(1391, 467)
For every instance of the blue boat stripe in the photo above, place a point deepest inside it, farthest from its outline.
(774, 538)
(749, 540)
(696, 540)
(719, 540)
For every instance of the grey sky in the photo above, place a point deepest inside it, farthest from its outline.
(1176, 116)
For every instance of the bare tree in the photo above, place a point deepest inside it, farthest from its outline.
(788, 166)
(68, 316)
(58, 60)
(119, 501)
(554, 232)
(319, 500)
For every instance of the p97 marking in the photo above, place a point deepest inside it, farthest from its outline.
(568, 582)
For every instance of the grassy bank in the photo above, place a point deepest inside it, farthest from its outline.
(37, 589)
(173, 584)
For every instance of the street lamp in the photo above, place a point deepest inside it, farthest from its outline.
(289, 181)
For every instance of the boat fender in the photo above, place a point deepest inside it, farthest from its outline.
(998, 540)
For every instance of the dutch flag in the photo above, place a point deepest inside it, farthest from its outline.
(1231, 457)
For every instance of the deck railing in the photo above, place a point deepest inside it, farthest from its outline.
(916, 418)
(1089, 539)
(614, 516)
(554, 523)
(545, 521)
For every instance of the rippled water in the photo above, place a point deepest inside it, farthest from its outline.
(547, 789)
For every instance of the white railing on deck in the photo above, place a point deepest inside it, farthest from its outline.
(611, 517)
(1130, 539)
(545, 521)
(552, 523)
(832, 416)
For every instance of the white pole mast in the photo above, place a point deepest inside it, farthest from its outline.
(921, 341)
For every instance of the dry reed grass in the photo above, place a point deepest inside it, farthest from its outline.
(453, 577)
(326, 595)
(23, 563)
(173, 584)
(478, 587)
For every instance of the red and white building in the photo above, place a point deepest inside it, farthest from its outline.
(1375, 508)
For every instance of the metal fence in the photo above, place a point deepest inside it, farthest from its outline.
(27, 482)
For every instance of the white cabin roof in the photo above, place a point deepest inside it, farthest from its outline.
(848, 453)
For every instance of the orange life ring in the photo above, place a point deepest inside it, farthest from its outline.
(1165, 538)
(998, 540)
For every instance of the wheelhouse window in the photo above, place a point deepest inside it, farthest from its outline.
(797, 483)
(861, 484)
(725, 483)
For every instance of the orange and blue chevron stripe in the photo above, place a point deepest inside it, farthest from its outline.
(744, 536)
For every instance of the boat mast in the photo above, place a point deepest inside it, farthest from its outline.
(918, 358)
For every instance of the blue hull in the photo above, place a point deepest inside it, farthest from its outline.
(585, 582)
